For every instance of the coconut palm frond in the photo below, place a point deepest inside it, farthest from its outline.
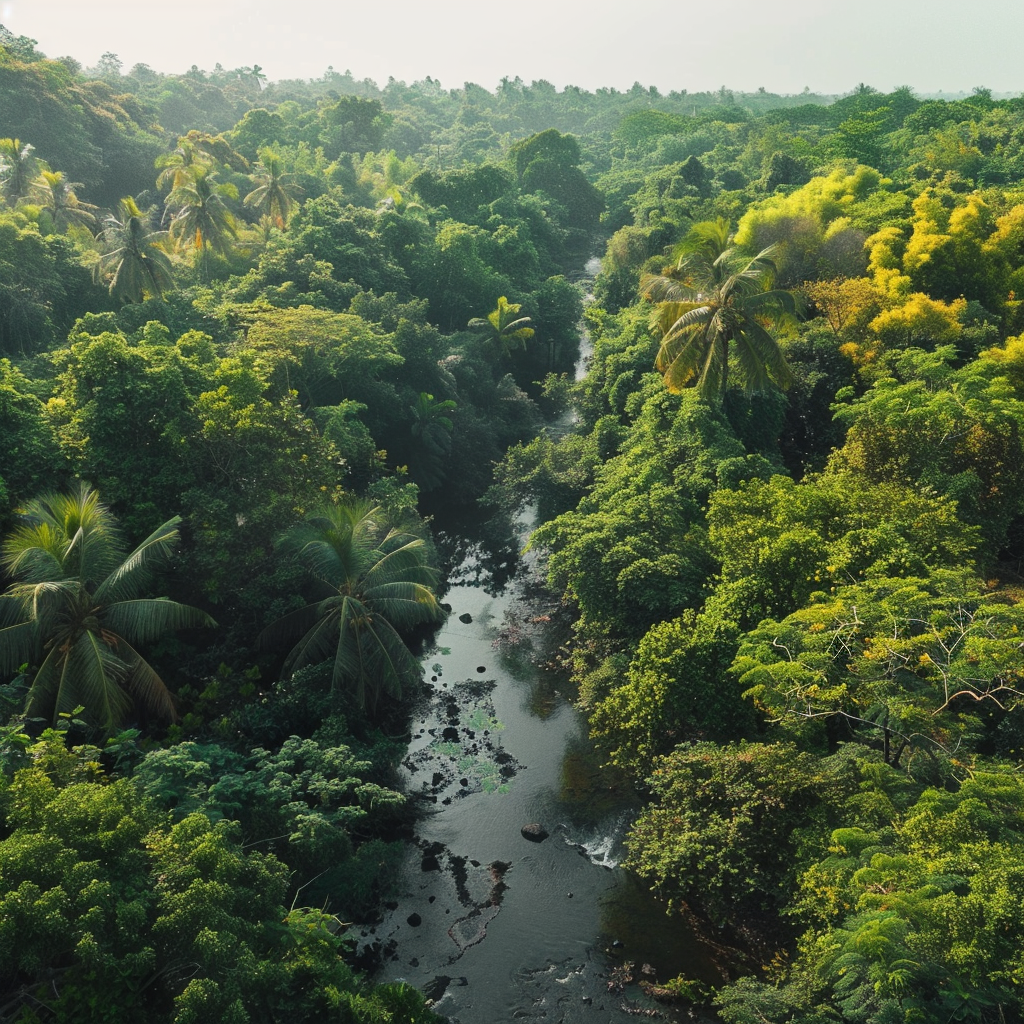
(135, 571)
(147, 689)
(382, 583)
(711, 304)
(145, 619)
(87, 615)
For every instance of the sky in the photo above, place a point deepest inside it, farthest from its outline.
(824, 45)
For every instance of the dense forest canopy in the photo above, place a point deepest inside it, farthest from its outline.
(252, 333)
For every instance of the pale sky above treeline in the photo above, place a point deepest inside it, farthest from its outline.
(824, 45)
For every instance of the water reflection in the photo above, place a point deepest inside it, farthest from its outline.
(640, 929)
(496, 927)
(591, 789)
(477, 549)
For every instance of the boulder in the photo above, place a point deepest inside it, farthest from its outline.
(535, 832)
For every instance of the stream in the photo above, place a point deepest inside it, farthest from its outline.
(494, 926)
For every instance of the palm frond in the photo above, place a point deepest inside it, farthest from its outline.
(665, 288)
(148, 689)
(64, 536)
(46, 685)
(43, 603)
(317, 644)
(143, 619)
(295, 623)
(681, 317)
(402, 563)
(708, 237)
(128, 578)
(34, 552)
(388, 657)
(515, 326)
(775, 301)
(12, 611)
(404, 603)
(18, 644)
(680, 358)
(96, 684)
(761, 359)
(85, 673)
(349, 656)
(712, 375)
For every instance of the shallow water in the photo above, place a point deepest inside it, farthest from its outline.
(494, 926)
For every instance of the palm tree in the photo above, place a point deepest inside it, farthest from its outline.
(715, 297)
(175, 167)
(379, 582)
(432, 435)
(252, 78)
(275, 193)
(76, 613)
(503, 328)
(17, 167)
(55, 194)
(197, 149)
(202, 219)
(135, 262)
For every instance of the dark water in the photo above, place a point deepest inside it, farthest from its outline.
(493, 926)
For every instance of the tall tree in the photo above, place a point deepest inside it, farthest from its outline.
(432, 438)
(201, 218)
(76, 613)
(175, 167)
(17, 168)
(378, 581)
(135, 263)
(276, 192)
(56, 195)
(712, 302)
(197, 149)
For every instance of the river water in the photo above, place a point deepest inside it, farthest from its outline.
(494, 926)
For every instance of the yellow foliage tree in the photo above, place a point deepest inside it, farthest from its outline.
(885, 263)
(920, 321)
(847, 304)
(1009, 359)
(811, 227)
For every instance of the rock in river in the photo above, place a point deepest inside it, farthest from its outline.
(535, 832)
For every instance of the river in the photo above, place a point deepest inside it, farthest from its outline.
(492, 925)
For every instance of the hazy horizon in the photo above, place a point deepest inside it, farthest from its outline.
(816, 46)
